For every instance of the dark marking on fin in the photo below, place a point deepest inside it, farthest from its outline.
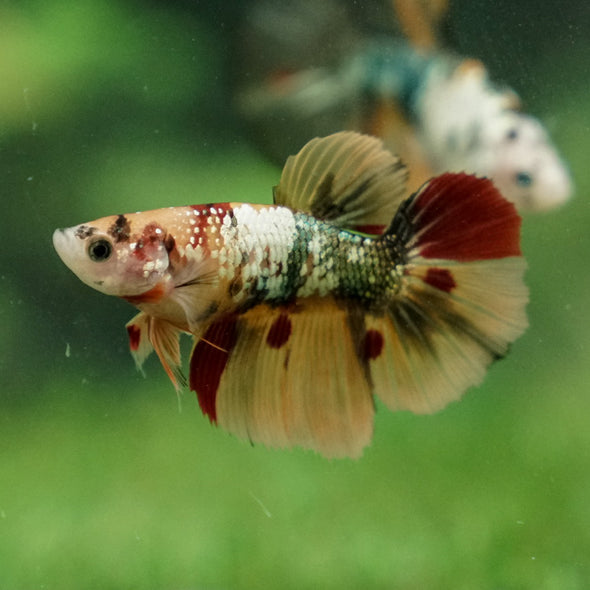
(208, 362)
(323, 201)
(372, 344)
(279, 332)
(418, 320)
(440, 278)
(325, 207)
(134, 337)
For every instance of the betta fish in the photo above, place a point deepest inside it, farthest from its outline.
(305, 311)
(385, 72)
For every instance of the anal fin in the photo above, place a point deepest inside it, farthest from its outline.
(286, 376)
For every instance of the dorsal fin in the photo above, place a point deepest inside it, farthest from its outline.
(346, 178)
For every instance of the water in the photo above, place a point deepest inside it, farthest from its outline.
(106, 109)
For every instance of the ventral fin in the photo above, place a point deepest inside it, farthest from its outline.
(286, 376)
(140, 345)
(147, 334)
(347, 178)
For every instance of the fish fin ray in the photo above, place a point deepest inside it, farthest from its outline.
(462, 300)
(268, 381)
(147, 334)
(346, 178)
(195, 292)
(140, 344)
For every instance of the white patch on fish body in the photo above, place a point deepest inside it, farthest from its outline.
(260, 243)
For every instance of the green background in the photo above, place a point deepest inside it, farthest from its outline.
(108, 480)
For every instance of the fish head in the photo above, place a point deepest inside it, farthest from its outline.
(119, 255)
(524, 164)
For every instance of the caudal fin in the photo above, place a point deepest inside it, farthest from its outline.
(462, 300)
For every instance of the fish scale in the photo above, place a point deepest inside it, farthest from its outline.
(281, 256)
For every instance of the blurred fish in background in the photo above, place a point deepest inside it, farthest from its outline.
(305, 68)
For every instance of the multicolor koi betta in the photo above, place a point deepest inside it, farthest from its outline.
(304, 310)
(384, 73)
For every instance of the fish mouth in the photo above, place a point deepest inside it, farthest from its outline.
(61, 242)
(68, 247)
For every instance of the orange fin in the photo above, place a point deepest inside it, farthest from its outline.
(463, 297)
(147, 334)
(286, 376)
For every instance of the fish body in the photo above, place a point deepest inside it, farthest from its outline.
(440, 111)
(238, 254)
(304, 310)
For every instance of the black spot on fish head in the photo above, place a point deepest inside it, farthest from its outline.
(84, 231)
(120, 230)
(169, 243)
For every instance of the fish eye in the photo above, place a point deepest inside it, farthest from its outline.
(100, 250)
(512, 134)
(523, 179)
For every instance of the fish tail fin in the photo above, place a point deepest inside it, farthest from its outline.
(462, 297)
(147, 334)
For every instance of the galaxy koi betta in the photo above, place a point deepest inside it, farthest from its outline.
(305, 311)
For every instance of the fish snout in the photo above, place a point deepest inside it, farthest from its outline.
(62, 242)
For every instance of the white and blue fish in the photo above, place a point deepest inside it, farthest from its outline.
(307, 69)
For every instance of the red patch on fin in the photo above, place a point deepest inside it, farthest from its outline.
(440, 278)
(279, 331)
(375, 230)
(208, 362)
(464, 218)
(152, 296)
(134, 337)
(372, 346)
